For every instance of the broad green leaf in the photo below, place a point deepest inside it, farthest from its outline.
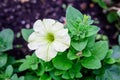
(21, 78)
(59, 72)
(91, 41)
(73, 14)
(9, 71)
(79, 46)
(62, 63)
(71, 74)
(66, 75)
(101, 3)
(110, 60)
(78, 75)
(31, 62)
(34, 67)
(26, 33)
(54, 77)
(112, 16)
(86, 53)
(112, 73)
(15, 77)
(45, 77)
(41, 69)
(92, 30)
(109, 53)
(91, 62)
(71, 54)
(6, 40)
(116, 52)
(3, 60)
(30, 77)
(48, 66)
(100, 49)
(119, 39)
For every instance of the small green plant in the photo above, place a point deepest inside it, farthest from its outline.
(112, 13)
(85, 59)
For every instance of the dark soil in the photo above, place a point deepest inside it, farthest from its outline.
(16, 15)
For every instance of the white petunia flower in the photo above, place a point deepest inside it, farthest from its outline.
(48, 38)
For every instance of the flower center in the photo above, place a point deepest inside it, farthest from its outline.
(50, 37)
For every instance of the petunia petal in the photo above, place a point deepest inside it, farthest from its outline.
(35, 37)
(46, 52)
(59, 46)
(62, 36)
(48, 23)
(35, 45)
(39, 27)
(57, 26)
(62, 40)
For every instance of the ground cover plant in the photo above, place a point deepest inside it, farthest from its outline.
(84, 58)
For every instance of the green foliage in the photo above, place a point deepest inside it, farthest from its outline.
(112, 16)
(15, 77)
(101, 3)
(6, 40)
(9, 71)
(3, 60)
(26, 33)
(31, 62)
(112, 73)
(62, 63)
(91, 62)
(100, 49)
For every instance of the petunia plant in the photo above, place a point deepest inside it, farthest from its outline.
(67, 51)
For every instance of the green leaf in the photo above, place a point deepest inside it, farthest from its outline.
(112, 73)
(62, 63)
(91, 41)
(21, 78)
(9, 71)
(3, 60)
(41, 69)
(116, 52)
(15, 77)
(79, 46)
(91, 62)
(73, 14)
(72, 54)
(31, 62)
(119, 39)
(66, 75)
(92, 30)
(100, 49)
(112, 16)
(110, 61)
(26, 33)
(86, 53)
(78, 75)
(54, 77)
(30, 77)
(6, 40)
(109, 53)
(59, 72)
(48, 66)
(45, 77)
(101, 3)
